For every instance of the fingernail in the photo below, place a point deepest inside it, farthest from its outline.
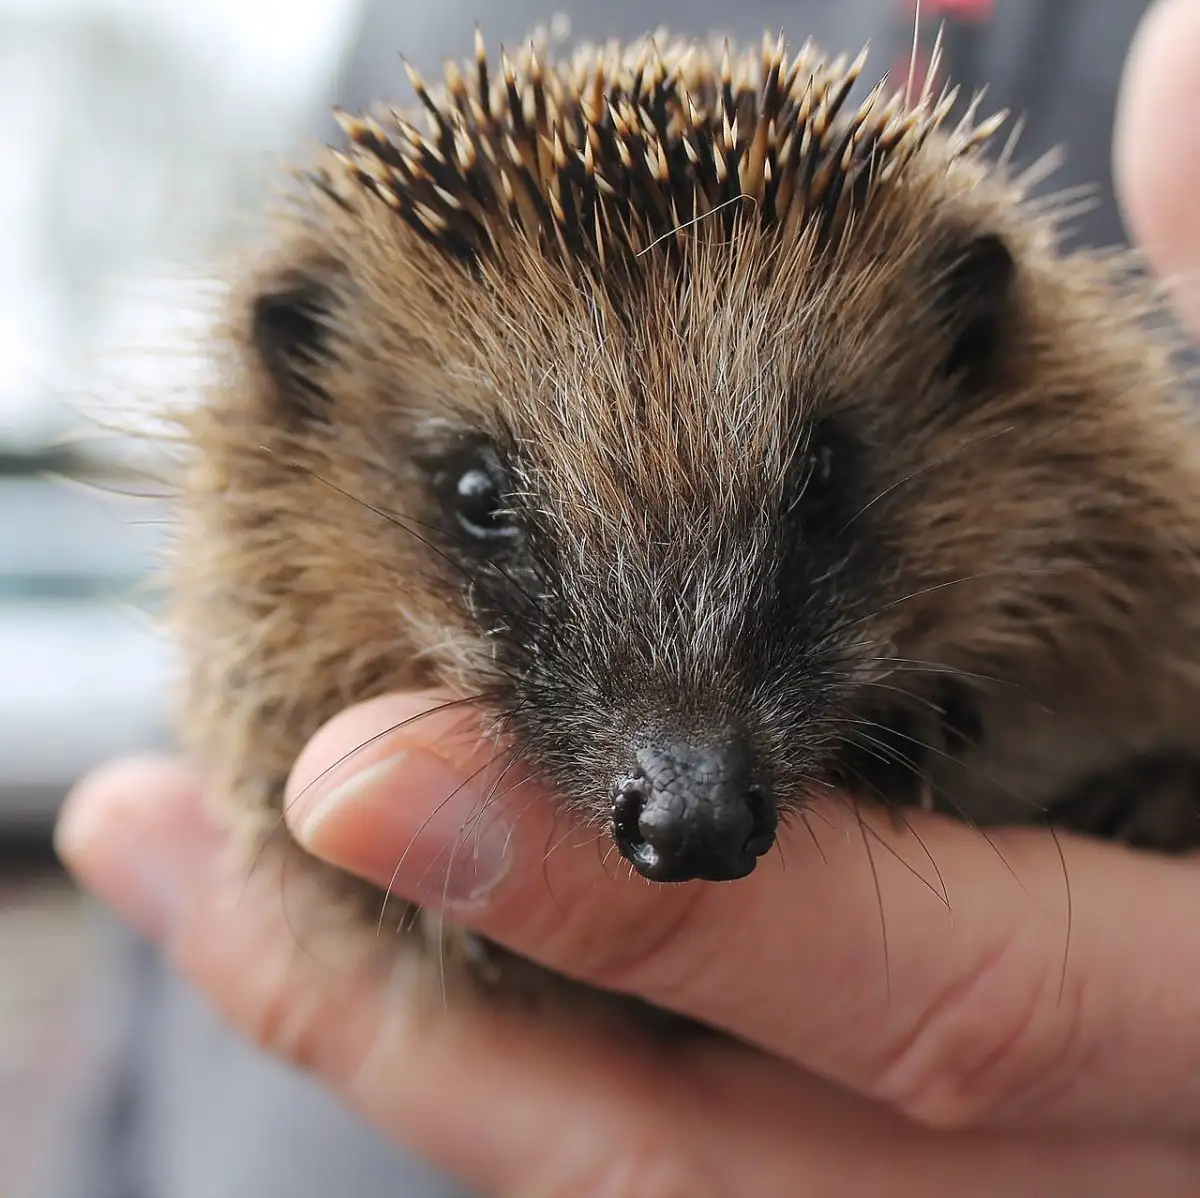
(410, 824)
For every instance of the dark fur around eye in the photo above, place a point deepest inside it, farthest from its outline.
(822, 463)
(824, 481)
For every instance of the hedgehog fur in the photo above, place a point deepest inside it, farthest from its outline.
(650, 293)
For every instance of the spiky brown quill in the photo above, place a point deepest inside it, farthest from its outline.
(624, 147)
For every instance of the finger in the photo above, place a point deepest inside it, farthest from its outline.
(981, 1010)
(1156, 148)
(520, 1108)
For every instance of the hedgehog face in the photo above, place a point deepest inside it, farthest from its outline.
(673, 531)
(641, 609)
(671, 646)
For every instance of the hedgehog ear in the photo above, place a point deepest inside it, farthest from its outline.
(290, 319)
(974, 297)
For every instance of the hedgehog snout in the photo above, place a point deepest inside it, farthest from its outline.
(693, 810)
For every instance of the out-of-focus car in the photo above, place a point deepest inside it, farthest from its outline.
(84, 670)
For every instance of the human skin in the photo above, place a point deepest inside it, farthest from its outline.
(984, 1055)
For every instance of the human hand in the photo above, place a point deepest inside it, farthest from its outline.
(519, 1109)
(978, 1029)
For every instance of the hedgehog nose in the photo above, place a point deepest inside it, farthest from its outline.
(693, 811)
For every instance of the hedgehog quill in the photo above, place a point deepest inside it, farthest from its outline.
(729, 442)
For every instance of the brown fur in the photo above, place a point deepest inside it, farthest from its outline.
(1035, 539)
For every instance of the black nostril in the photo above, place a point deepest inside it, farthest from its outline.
(693, 812)
(627, 813)
(766, 821)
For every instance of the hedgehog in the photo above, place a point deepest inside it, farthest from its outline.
(727, 442)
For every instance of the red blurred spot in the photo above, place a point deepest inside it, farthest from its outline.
(933, 14)
(966, 10)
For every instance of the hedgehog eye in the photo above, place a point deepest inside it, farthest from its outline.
(478, 498)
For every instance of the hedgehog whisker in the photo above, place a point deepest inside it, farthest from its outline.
(1017, 689)
(954, 454)
(941, 895)
(278, 828)
(466, 782)
(862, 828)
(1020, 571)
(494, 794)
(695, 220)
(449, 705)
(888, 754)
(925, 746)
(402, 522)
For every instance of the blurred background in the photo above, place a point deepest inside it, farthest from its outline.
(138, 140)
(135, 135)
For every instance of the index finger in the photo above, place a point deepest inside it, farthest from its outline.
(981, 1011)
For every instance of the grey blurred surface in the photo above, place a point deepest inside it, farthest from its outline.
(179, 1108)
(84, 668)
